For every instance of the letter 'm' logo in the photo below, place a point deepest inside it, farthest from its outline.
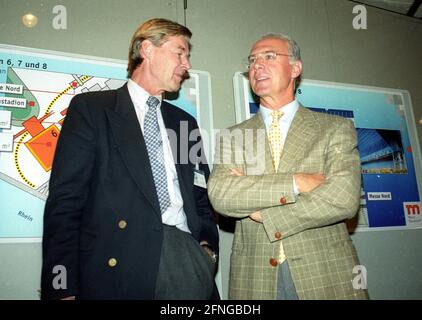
(413, 209)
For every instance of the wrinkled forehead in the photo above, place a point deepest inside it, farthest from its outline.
(269, 44)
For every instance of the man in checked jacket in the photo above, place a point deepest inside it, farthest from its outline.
(291, 177)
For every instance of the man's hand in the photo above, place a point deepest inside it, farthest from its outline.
(306, 182)
(236, 172)
(208, 249)
(256, 216)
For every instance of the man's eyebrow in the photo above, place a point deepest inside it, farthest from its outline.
(261, 52)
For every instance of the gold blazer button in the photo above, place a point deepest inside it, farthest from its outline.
(277, 235)
(122, 224)
(112, 262)
(273, 262)
(283, 200)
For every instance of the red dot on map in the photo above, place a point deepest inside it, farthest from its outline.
(48, 144)
(74, 84)
(31, 103)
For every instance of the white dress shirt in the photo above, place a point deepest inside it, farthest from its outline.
(174, 215)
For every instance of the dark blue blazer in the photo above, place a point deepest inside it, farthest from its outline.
(101, 175)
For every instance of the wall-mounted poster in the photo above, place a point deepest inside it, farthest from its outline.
(387, 142)
(36, 87)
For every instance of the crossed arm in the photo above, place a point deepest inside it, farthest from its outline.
(324, 198)
(305, 182)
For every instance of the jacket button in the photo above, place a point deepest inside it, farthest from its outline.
(277, 235)
(283, 200)
(273, 262)
(122, 224)
(112, 262)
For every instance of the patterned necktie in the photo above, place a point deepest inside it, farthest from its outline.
(155, 152)
(274, 136)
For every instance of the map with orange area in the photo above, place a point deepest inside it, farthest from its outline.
(43, 145)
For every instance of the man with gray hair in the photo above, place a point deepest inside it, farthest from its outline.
(291, 241)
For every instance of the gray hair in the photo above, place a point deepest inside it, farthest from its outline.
(293, 47)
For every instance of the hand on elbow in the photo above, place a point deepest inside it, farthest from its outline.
(307, 182)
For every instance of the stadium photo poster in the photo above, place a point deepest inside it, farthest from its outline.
(387, 143)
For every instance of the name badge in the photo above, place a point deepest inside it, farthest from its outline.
(199, 178)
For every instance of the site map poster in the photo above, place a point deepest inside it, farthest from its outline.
(36, 87)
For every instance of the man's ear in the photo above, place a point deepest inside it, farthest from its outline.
(296, 69)
(146, 48)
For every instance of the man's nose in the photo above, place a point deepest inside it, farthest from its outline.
(186, 63)
(258, 64)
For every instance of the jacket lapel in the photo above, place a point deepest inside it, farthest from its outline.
(179, 142)
(131, 144)
(257, 155)
(299, 136)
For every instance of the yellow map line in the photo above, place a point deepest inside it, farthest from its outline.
(83, 80)
(17, 163)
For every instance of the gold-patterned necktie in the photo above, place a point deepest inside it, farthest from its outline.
(274, 136)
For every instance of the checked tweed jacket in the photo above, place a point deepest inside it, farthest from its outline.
(311, 226)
